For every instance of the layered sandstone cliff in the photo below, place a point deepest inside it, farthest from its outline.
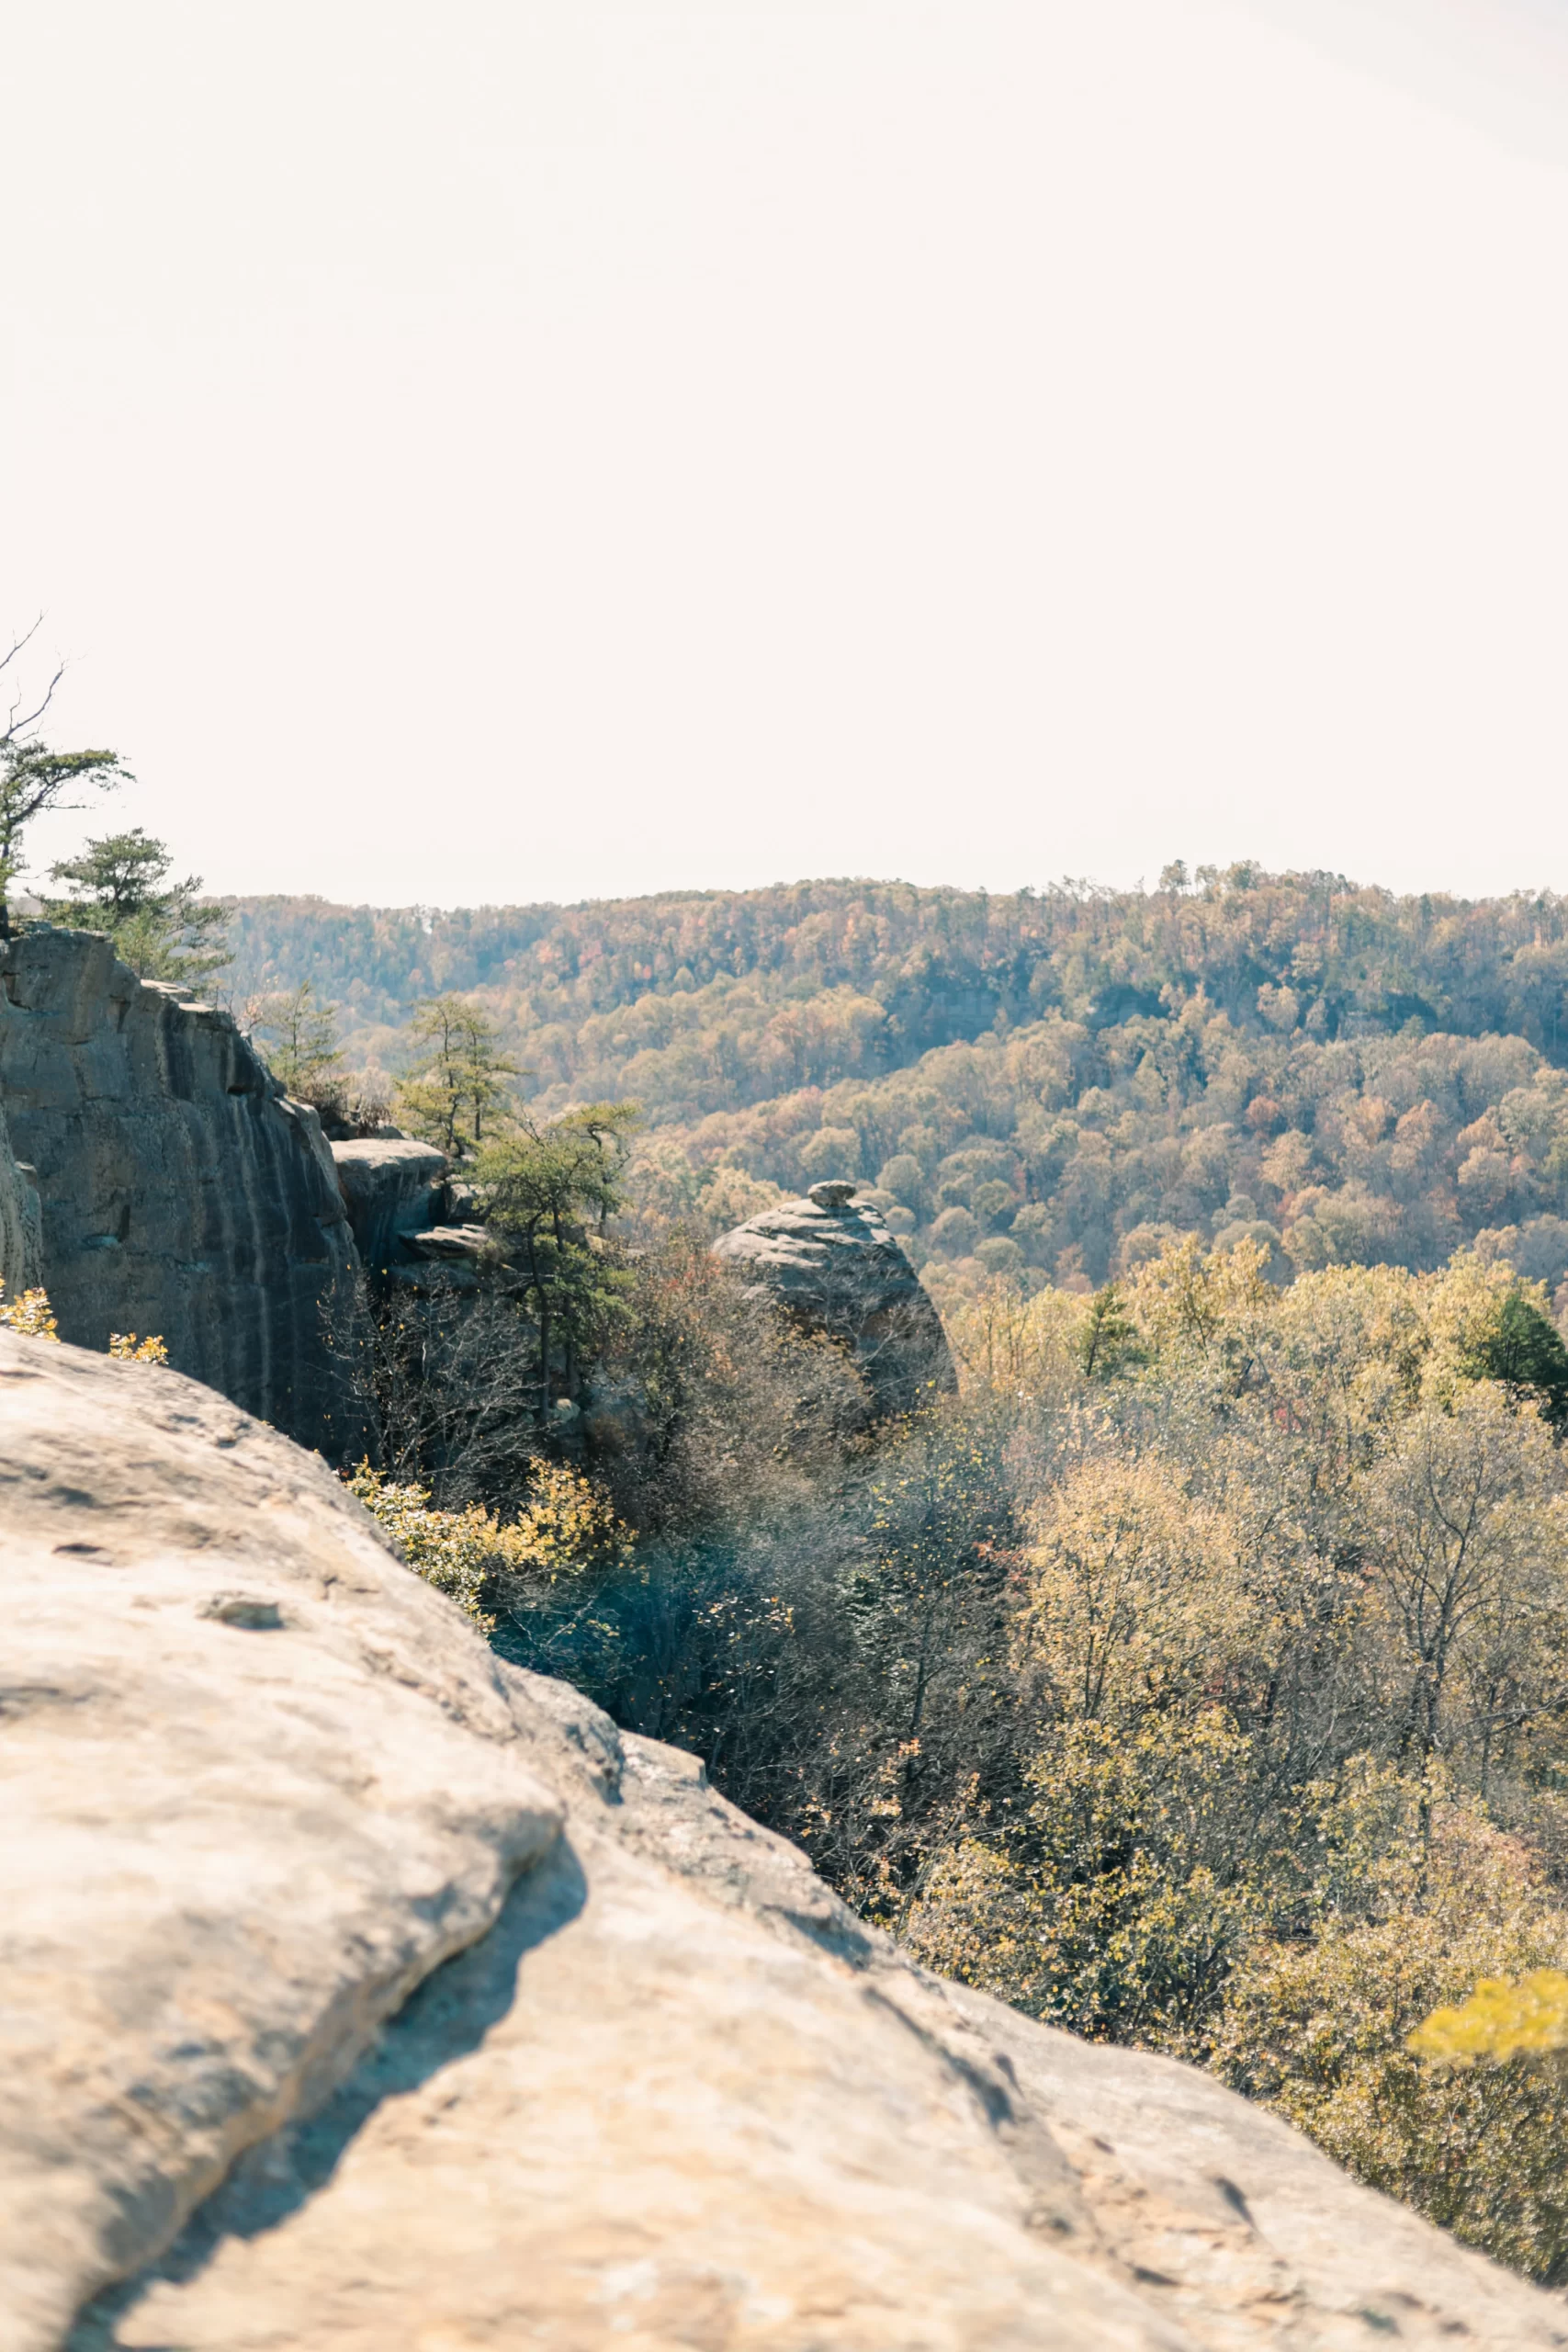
(21, 1224)
(657, 2089)
(181, 1195)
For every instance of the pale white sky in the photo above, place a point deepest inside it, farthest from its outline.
(536, 449)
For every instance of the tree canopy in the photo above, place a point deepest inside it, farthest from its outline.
(165, 930)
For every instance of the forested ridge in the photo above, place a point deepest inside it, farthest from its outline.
(1054, 1081)
(1196, 1675)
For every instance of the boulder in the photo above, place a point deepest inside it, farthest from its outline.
(665, 2092)
(182, 1195)
(834, 1266)
(391, 1187)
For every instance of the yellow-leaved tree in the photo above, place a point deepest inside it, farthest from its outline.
(564, 1533)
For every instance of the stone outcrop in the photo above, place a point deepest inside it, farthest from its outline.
(664, 2093)
(181, 1195)
(403, 1205)
(392, 1187)
(835, 1267)
(21, 1224)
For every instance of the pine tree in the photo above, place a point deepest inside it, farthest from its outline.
(307, 1056)
(1109, 1340)
(34, 780)
(458, 1090)
(549, 1193)
(120, 884)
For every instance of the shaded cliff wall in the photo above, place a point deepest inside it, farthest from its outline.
(21, 1239)
(181, 1193)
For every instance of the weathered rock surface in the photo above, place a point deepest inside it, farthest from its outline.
(259, 1779)
(257, 1782)
(391, 1187)
(182, 1195)
(401, 1202)
(21, 1226)
(837, 1268)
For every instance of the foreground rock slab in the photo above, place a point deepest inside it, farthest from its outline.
(254, 1784)
(675, 2095)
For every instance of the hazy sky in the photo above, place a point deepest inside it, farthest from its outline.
(539, 448)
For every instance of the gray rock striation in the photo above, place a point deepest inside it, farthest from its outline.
(834, 1266)
(182, 1194)
(21, 1222)
(657, 2087)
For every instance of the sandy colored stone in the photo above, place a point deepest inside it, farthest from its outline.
(676, 2096)
(255, 1782)
(391, 1186)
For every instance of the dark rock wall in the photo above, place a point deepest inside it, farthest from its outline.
(20, 1223)
(181, 1193)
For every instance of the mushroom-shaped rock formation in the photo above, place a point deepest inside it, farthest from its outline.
(834, 1266)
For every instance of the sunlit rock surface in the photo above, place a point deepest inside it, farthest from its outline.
(392, 1186)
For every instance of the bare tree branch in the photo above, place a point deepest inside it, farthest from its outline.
(17, 726)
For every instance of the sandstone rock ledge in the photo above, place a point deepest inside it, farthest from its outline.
(260, 1781)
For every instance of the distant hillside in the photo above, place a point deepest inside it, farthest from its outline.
(1048, 1080)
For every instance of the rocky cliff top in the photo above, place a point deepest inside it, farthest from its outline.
(832, 1263)
(361, 1993)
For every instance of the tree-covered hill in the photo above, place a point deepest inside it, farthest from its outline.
(1051, 1080)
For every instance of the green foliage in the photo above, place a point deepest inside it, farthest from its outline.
(1052, 1084)
(549, 1193)
(33, 781)
(1123, 1895)
(163, 930)
(565, 1534)
(1327, 2030)
(1524, 1350)
(457, 1087)
(1109, 1344)
(304, 1056)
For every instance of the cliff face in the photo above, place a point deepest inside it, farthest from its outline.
(21, 1235)
(181, 1195)
(257, 1781)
